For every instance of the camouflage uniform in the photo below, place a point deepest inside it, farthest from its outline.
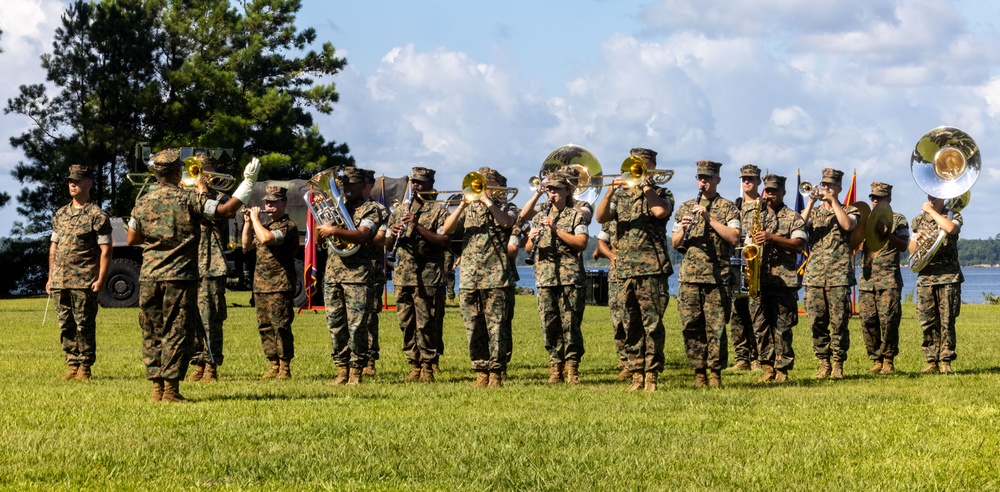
(169, 217)
(828, 279)
(880, 290)
(78, 235)
(212, 271)
(274, 287)
(558, 277)
(348, 290)
(643, 267)
(419, 283)
(776, 310)
(939, 294)
(703, 298)
(741, 318)
(449, 273)
(378, 275)
(609, 234)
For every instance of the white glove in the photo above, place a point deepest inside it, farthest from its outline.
(250, 172)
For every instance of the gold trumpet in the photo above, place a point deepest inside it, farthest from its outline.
(635, 172)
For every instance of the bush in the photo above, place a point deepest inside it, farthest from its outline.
(25, 264)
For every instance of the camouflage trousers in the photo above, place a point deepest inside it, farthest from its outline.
(559, 314)
(213, 313)
(642, 301)
(507, 329)
(420, 311)
(704, 310)
(168, 311)
(275, 313)
(485, 313)
(76, 312)
(880, 314)
(617, 318)
(937, 308)
(373, 346)
(829, 310)
(742, 328)
(449, 278)
(775, 314)
(348, 309)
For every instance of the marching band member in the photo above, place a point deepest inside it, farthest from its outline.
(741, 320)
(378, 273)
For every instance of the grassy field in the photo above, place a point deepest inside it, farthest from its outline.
(900, 432)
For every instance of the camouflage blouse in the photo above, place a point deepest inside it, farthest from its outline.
(419, 262)
(943, 268)
(357, 268)
(556, 262)
(779, 268)
(275, 271)
(485, 264)
(830, 262)
(706, 260)
(880, 270)
(78, 234)
(378, 254)
(609, 234)
(641, 237)
(211, 253)
(169, 218)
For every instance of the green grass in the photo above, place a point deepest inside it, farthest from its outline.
(901, 432)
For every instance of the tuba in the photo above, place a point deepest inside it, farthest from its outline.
(752, 253)
(326, 202)
(945, 164)
(581, 162)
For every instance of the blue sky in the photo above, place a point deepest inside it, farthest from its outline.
(795, 84)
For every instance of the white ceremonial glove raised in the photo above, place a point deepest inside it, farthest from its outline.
(250, 172)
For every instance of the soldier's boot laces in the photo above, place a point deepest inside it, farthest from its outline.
(426, 374)
(555, 373)
(496, 379)
(755, 365)
(83, 373)
(70, 373)
(414, 374)
(272, 370)
(741, 365)
(780, 375)
(284, 370)
(700, 378)
(930, 368)
(945, 367)
(342, 376)
(769, 374)
(838, 370)
(157, 390)
(354, 378)
(876, 367)
(195, 372)
(638, 381)
(172, 391)
(887, 367)
(211, 374)
(715, 379)
(572, 373)
(824, 369)
(369, 370)
(482, 379)
(649, 383)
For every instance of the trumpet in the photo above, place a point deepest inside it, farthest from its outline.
(635, 172)
(326, 202)
(807, 190)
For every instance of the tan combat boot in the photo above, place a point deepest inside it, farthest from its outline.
(157, 395)
(741, 365)
(414, 374)
(369, 370)
(781, 375)
(355, 375)
(945, 368)
(700, 378)
(887, 367)
(342, 376)
(71, 371)
(211, 374)
(555, 373)
(435, 368)
(621, 365)
(496, 379)
(625, 374)
(284, 370)
(83, 373)
(930, 368)
(426, 374)
(572, 373)
(876, 367)
(768, 375)
(715, 379)
(196, 372)
(649, 384)
(755, 366)
(482, 379)
(638, 381)
(838, 370)
(824, 369)
(272, 369)
(172, 391)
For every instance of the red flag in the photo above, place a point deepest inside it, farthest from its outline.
(309, 272)
(852, 192)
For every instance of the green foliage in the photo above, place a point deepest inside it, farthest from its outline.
(862, 433)
(991, 298)
(24, 263)
(173, 73)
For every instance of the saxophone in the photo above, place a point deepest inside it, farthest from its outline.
(752, 254)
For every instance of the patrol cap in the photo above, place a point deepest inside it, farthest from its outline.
(369, 175)
(422, 174)
(647, 155)
(881, 190)
(774, 181)
(79, 171)
(558, 180)
(354, 175)
(749, 171)
(275, 193)
(708, 168)
(832, 176)
(166, 160)
(493, 175)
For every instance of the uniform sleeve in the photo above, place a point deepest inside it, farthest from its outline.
(371, 219)
(103, 227)
(55, 234)
(733, 217)
(902, 228)
(681, 213)
(798, 228)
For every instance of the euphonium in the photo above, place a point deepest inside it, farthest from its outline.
(752, 254)
(326, 203)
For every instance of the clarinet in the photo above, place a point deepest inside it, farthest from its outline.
(687, 230)
(408, 201)
(530, 260)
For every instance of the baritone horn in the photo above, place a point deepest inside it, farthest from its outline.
(945, 164)
(326, 202)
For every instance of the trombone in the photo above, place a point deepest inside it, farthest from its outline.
(474, 186)
(193, 170)
(634, 172)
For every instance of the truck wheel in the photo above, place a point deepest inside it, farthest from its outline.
(300, 292)
(122, 286)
